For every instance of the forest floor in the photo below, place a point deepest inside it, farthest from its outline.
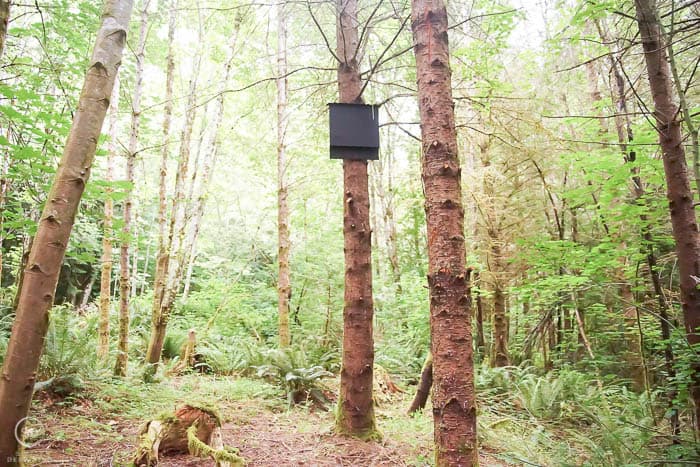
(99, 426)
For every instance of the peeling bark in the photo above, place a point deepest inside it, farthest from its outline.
(44, 265)
(454, 402)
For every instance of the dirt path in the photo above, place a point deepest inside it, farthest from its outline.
(102, 431)
(278, 440)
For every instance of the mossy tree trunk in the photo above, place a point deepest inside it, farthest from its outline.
(125, 279)
(164, 300)
(54, 229)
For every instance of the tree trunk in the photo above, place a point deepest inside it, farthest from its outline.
(39, 285)
(106, 270)
(693, 131)
(178, 226)
(155, 344)
(284, 288)
(120, 366)
(162, 251)
(134, 264)
(211, 150)
(480, 338)
(188, 276)
(423, 390)
(4, 20)
(355, 404)
(384, 197)
(454, 402)
(680, 196)
(634, 355)
(494, 262)
(499, 355)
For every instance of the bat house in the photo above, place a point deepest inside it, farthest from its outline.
(354, 130)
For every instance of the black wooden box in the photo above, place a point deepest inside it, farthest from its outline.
(354, 130)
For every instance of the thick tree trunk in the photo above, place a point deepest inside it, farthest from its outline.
(424, 385)
(4, 20)
(355, 403)
(284, 288)
(454, 402)
(39, 285)
(680, 196)
(120, 366)
(107, 261)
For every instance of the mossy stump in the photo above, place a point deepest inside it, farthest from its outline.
(194, 430)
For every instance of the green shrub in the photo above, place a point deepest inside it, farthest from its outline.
(291, 370)
(70, 345)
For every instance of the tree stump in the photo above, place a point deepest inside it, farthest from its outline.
(194, 430)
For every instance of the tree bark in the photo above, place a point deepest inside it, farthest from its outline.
(39, 285)
(480, 338)
(680, 196)
(423, 390)
(284, 287)
(454, 403)
(495, 264)
(163, 255)
(106, 269)
(693, 131)
(120, 366)
(4, 157)
(355, 404)
(178, 223)
(4, 20)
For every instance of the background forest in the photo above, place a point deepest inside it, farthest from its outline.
(580, 347)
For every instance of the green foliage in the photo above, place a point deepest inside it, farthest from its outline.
(70, 345)
(291, 369)
(230, 356)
